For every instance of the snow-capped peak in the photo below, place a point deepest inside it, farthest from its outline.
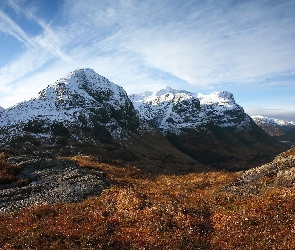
(273, 121)
(86, 84)
(171, 109)
(145, 96)
(82, 98)
(169, 90)
(223, 98)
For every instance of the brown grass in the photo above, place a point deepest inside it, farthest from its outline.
(142, 211)
(8, 172)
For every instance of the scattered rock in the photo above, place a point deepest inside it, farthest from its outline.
(278, 173)
(48, 181)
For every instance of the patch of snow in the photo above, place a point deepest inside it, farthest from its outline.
(173, 110)
(77, 95)
(272, 121)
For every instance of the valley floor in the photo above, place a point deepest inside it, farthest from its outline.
(145, 211)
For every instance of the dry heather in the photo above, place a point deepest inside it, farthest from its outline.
(143, 211)
(8, 171)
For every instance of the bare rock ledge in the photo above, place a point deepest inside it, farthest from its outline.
(48, 181)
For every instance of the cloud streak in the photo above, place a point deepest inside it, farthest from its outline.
(40, 48)
(9, 27)
(217, 44)
(244, 45)
(201, 43)
(47, 40)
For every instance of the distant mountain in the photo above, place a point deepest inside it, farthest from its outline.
(170, 130)
(280, 129)
(271, 125)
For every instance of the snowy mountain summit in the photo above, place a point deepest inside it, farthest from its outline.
(259, 119)
(86, 106)
(86, 113)
(282, 130)
(173, 110)
(82, 90)
(83, 99)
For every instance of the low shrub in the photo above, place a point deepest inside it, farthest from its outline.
(144, 211)
(8, 172)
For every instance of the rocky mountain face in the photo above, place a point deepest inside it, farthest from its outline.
(170, 130)
(281, 130)
(171, 110)
(83, 105)
(212, 129)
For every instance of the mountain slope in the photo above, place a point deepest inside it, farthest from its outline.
(146, 211)
(278, 173)
(84, 99)
(212, 129)
(171, 130)
(279, 129)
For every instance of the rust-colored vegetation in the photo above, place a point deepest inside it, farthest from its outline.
(144, 211)
(8, 172)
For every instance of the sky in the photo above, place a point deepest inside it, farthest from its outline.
(246, 47)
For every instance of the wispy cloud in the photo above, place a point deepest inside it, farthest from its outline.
(210, 44)
(9, 27)
(231, 43)
(47, 40)
(40, 49)
(203, 43)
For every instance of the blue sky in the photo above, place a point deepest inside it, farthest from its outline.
(245, 47)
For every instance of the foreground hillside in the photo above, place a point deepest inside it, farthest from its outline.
(145, 211)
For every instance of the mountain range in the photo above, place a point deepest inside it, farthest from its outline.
(164, 131)
(281, 130)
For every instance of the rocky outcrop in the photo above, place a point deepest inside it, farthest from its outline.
(48, 181)
(280, 173)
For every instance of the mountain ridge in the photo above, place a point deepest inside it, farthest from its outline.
(280, 129)
(171, 110)
(269, 120)
(84, 112)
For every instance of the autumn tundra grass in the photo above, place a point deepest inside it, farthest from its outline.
(144, 211)
(8, 172)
